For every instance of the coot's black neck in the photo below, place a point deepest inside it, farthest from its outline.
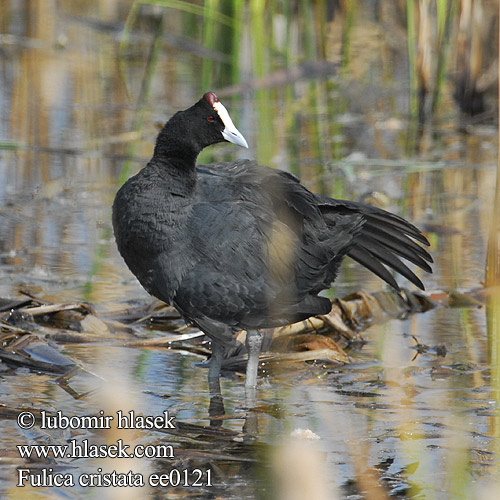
(177, 171)
(177, 145)
(176, 150)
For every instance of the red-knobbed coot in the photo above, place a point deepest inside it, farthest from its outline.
(237, 245)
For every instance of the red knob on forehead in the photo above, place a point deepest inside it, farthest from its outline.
(211, 98)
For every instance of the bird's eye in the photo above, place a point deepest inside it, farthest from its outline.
(210, 119)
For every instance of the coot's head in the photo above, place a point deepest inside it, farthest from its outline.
(206, 122)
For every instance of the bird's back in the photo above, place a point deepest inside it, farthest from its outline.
(264, 249)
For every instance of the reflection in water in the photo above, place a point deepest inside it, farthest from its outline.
(82, 88)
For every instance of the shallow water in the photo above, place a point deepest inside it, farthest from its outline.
(76, 119)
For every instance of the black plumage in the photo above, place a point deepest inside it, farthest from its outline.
(240, 246)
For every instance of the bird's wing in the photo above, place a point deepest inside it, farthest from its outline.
(383, 240)
(289, 215)
(258, 261)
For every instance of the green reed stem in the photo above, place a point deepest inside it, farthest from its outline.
(493, 303)
(209, 40)
(444, 18)
(412, 59)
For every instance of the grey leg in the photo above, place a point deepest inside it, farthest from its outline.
(254, 344)
(216, 407)
(215, 362)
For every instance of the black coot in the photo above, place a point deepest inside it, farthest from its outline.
(239, 246)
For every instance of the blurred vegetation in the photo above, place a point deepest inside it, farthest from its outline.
(299, 48)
